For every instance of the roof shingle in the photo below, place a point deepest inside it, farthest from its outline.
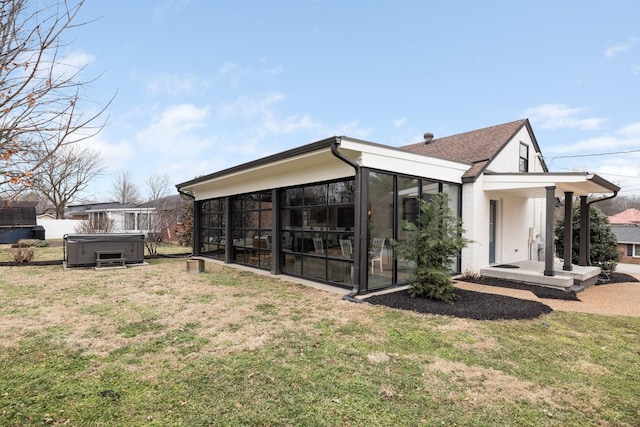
(477, 147)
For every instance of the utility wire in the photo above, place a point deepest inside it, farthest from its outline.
(595, 155)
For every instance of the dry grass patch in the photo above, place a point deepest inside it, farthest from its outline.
(106, 310)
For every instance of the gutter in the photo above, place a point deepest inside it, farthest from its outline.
(334, 150)
(339, 155)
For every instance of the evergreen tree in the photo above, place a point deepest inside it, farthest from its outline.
(604, 245)
(433, 243)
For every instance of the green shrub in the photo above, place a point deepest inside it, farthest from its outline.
(433, 243)
(604, 244)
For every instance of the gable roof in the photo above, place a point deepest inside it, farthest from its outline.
(477, 147)
(629, 216)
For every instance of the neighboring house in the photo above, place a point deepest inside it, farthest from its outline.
(329, 211)
(626, 226)
(168, 220)
(126, 217)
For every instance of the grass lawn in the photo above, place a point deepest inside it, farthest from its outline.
(54, 251)
(154, 345)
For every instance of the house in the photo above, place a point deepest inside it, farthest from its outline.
(115, 217)
(328, 211)
(626, 227)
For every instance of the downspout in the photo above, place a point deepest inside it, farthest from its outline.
(334, 150)
(588, 232)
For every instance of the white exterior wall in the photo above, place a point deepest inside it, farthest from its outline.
(475, 221)
(509, 158)
(514, 220)
(520, 221)
(57, 228)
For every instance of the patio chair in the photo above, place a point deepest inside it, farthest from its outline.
(260, 246)
(347, 248)
(347, 252)
(318, 245)
(375, 254)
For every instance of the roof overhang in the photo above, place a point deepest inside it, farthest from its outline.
(534, 185)
(319, 162)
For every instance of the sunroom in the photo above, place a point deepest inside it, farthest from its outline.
(327, 211)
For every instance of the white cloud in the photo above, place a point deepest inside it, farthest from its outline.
(248, 107)
(560, 116)
(620, 47)
(353, 129)
(624, 139)
(71, 64)
(273, 125)
(174, 84)
(172, 125)
(399, 122)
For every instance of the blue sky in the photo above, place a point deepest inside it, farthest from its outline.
(204, 85)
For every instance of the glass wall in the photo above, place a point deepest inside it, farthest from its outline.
(317, 231)
(315, 228)
(394, 201)
(408, 207)
(380, 230)
(212, 228)
(251, 228)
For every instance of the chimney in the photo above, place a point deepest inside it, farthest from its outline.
(428, 137)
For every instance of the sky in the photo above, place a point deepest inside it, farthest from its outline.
(201, 85)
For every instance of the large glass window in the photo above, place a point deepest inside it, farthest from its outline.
(394, 202)
(251, 228)
(212, 228)
(408, 210)
(317, 231)
(380, 229)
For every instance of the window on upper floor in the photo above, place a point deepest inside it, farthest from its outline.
(524, 157)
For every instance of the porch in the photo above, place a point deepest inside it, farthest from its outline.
(576, 280)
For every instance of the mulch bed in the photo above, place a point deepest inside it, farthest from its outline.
(468, 304)
(483, 306)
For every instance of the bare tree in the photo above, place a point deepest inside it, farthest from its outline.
(95, 225)
(66, 173)
(41, 96)
(158, 189)
(123, 189)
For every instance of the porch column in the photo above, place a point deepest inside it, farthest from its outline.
(548, 244)
(568, 230)
(584, 232)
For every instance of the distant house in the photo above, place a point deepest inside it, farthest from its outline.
(168, 209)
(124, 217)
(626, 226)
(159, 217)
(329, 211)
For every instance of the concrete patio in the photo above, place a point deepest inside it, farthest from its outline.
(532, 272)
